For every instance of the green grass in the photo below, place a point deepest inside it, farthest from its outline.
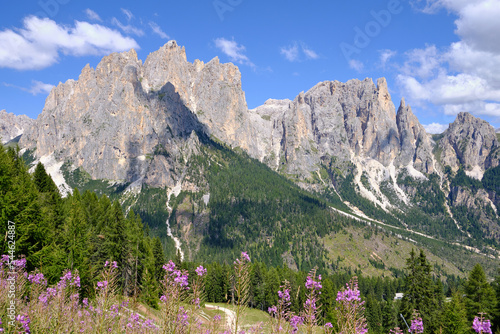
(360, 248)
(251, 317)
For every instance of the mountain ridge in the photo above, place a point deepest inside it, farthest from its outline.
(140, 125)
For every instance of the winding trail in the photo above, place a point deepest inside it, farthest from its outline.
(370, 221)
(176, 191)
(230, 315)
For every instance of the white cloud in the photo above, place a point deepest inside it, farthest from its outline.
(157, 30)
(291, 53)
(465, 76)
(478, 107)
(37, 87)
(38, 44)
(92, 15)
(385, 56)
(298, 51)
(128, 29)
(422, 63)
(234, 51)
(310, 54)
(478, 25)
(356, 65)
(128, 14)
(436, 128)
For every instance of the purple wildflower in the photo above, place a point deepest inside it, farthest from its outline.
(481, 325)
(182, 317)
(21, 263)
(76, 281)
(102, 285)
(272, 310)
(200, 271)
(170, 266)
(25, 321)
(295, 322)
(37, 279)
(312, 284)
(328, 325)
(244, 256)
(285, 295)
(417, 326)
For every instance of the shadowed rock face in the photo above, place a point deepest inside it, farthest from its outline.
(125, 120)
(469, 141)
(415, 144)
(12, 126)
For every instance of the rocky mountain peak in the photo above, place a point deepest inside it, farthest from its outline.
(12, 126)
(384, 97)
(113, 118)
(416, 145)
(470, 142)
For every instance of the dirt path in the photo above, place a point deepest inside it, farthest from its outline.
(230, 315)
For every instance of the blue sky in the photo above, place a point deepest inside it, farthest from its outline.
(443, 56)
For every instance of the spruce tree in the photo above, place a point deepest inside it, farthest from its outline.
(420, 292)
(389, 315)
(455, 316)
(159, 259)
(479, 294)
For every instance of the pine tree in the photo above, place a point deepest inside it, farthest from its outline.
(420, 292)
(455, 316)
(19, 200)
(496, 287)
(159, 259)
(373, 314)
(43, 181)
(479, 294)
(389, 315)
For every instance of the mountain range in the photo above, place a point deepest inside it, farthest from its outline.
(168, 131)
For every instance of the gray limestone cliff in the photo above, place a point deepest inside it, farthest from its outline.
(12, 126)
(139, 122)
(129, 121)
(349, 120)
(470, 142)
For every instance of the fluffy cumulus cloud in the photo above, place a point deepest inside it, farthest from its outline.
(40, 42)
(436, 128)
(298, 51)
(465, 76)
(234, 51)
